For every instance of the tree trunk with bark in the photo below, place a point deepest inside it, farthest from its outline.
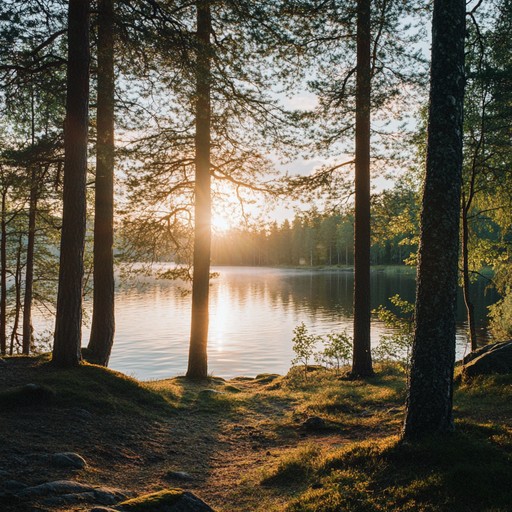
(68, 323)
(3, 275)
(429, 400)
(470, 308)
(103, 321)
(17, 299)
(29, 267)
(362, 359)
(198, 359)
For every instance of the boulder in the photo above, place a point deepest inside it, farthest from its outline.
(493, 358)
(57, 487)
(68, 460)
(68, 492)
(13, 485)
(179, 475)
(169, 500)
(29, 395)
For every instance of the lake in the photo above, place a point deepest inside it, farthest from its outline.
(252, 316)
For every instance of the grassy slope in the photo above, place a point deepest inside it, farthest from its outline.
(245, 446)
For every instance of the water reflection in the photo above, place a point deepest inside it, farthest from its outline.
(253, 313)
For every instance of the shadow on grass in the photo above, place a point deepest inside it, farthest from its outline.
(460, 473)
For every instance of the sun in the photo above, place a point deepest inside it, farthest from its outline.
(221, 223)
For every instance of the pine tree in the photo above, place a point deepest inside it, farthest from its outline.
(68, 321)
(429, 399)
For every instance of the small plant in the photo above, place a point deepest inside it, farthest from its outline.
(304, 345)
(397, 346)
(337, 350)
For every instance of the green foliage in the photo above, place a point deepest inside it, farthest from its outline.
(397, 346)
(99, 389)
(337, 350)
(458, 473)
(501, 317)
(304, 345)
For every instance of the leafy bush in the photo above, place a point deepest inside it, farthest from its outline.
(337, 350)
(501, 317)
(304, 345)
(396, 346)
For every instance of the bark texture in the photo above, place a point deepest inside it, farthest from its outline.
(3, 276)
(362, 359)
(67, 343)
(29, 268)
(429, 400)
(103, 321)
(198, 359)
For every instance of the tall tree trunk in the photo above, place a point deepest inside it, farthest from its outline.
(470, 308)
(198, 359)
(17, 287)
(29, 268)
(68, 323)
(3, 275)
(362, 359)
(103, 321)
(429, 400)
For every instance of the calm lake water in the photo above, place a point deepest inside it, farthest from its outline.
(253, 313)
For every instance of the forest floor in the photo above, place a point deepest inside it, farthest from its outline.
(265, 444)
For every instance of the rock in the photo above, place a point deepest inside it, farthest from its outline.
(13, 485)
(103, 509)
(100, 495)
(83, 414)
(57, 487)
(27, 395)
(179, 475)
(68, 492)
(108, 496)
(314, 423)
(493, 358)
(169, 500)
(68, 460)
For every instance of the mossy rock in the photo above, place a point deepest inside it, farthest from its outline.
(168, 500)
(27, 395)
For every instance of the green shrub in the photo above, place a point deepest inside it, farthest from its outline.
(397, 346)
(304, 345)
(337, 350)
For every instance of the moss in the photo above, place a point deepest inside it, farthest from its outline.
(154, 501)
(27, 395)
(98, 388)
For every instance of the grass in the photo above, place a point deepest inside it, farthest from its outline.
(459, 473)
(154, 501)
(244, 441)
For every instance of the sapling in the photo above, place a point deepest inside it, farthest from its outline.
(337, 350)
(397, 346)
(304, 345)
